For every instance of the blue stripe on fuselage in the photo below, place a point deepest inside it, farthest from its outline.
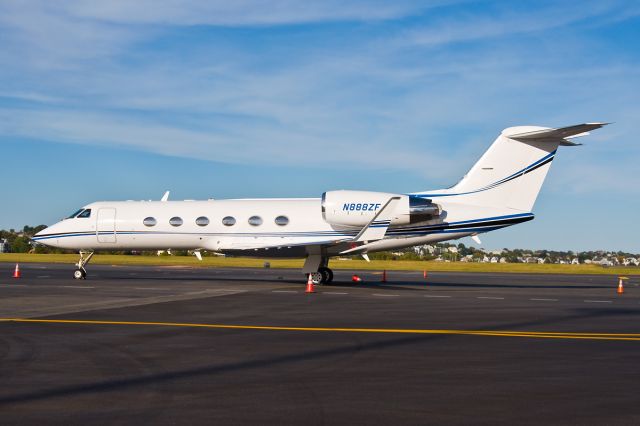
(473, 225)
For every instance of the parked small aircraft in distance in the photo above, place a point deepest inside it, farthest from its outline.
(498, 191)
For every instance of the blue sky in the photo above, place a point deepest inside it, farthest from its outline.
(123, 100)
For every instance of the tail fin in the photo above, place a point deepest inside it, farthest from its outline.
(511, 172)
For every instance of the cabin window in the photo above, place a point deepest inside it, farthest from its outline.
(149, 221)
(282, 220)
(228, 221)
(202, 221)
(175, 221)
(85, 214)
(255, 221)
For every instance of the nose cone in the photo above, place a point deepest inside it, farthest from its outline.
(47, 237)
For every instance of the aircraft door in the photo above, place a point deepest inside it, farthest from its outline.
(106, 225)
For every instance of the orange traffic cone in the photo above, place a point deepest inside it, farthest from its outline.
(384, 276)
(620, 286)
(310, 288)
(355, 278)
(16, 273)
(424, 273)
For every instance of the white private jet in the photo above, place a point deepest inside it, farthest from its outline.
(498, 191)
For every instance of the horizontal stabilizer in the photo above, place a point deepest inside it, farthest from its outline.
(560, 134)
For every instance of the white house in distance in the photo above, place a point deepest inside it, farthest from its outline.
(452, 253)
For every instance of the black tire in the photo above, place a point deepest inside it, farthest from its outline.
(79, 274)
(330, 280)
(327, 274)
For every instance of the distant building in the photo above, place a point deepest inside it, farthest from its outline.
(630, 261)
(4, 246)
(605, 262)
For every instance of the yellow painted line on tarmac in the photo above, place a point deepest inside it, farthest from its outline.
(530, 334)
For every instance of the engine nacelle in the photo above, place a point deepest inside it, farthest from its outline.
(357, 208)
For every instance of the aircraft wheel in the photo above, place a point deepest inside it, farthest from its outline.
(330, 280)
(327, 275)
(79, 274)
(316, 277)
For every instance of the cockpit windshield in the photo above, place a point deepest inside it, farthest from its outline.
(82, 213)
(76, 213)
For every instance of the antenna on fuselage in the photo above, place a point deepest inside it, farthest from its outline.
(165, 197)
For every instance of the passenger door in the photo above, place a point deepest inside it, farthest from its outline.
(106, 225)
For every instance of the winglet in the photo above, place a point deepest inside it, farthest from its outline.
(165, 197)
(378, 226)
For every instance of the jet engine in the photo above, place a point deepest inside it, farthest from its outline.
(357, 208)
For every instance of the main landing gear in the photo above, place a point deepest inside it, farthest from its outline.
(326, 275)
(316, 265)
(323, 276)
(81, 273)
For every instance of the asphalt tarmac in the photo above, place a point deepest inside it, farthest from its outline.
(167, 345)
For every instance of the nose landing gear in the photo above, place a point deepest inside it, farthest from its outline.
(81, 272)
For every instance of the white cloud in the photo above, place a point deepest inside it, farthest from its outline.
(41, 36)
(490, 23)
(30, 96)
(209, 13)
(373, 103)
(241, 12)
(264, 145)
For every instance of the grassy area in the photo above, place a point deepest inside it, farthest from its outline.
(356, 264)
